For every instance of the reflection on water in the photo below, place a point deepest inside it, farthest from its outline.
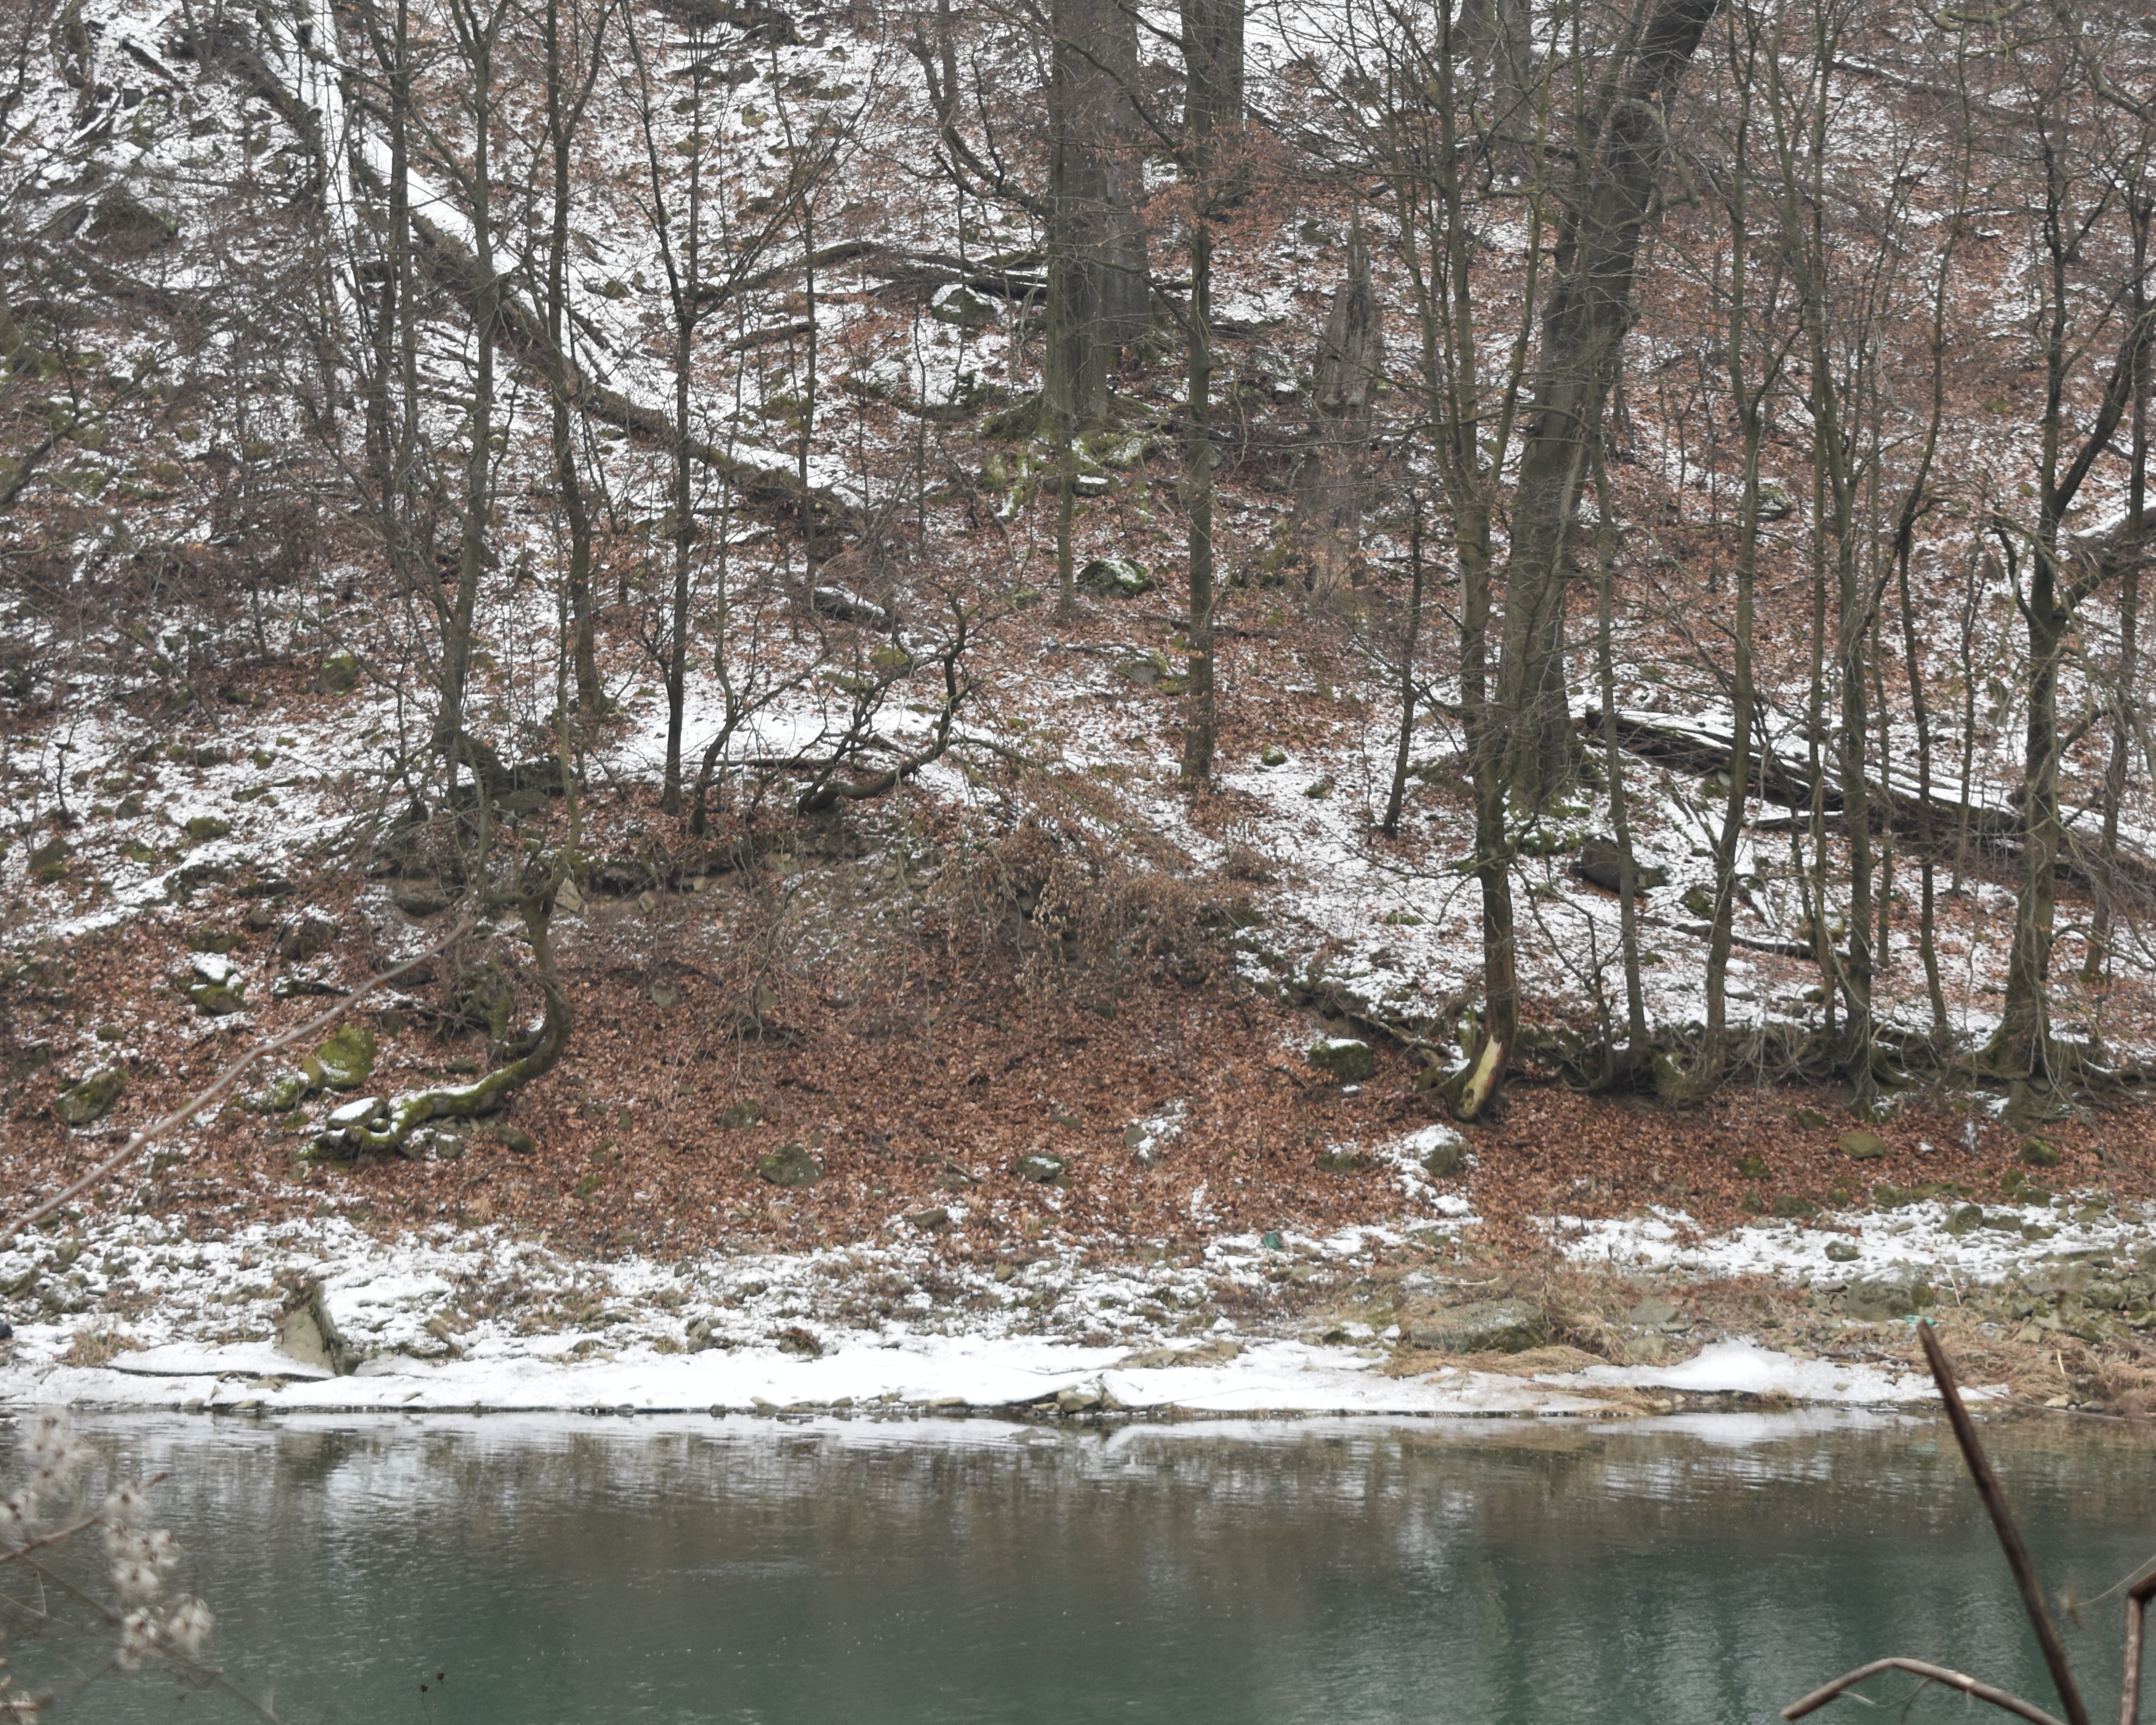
(624, 1570)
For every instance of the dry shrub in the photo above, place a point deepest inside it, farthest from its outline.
(97, 1346)
(1070, 900)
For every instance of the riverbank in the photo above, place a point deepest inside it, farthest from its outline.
(1412, 1316)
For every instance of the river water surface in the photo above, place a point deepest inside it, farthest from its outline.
(624, 1571)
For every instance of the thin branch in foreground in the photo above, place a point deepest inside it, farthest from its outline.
(224, 1083)
(2002, 1522)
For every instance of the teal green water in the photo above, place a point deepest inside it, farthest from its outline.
(626, 1571)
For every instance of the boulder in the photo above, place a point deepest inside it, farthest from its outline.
(215, 986)
(1041, 1170)
(1863, 1144)
(1119, 578)
(304, 936)
(1482, 1326)
(1446, 1158)
(1601, 864)
(338, 675)
(790, 1165)
(1346, 1059)
(1871, 1301)
(420, 898)
(2039, 1153)
(1273, 755)
(91, 1100)
(200, 829)
(740, 1115)
(347, 1058)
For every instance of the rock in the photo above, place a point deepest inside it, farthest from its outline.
(2039, 1153)
(1145, 668)
(1482, 1326)
(740, 1115)
(1119, 578)
(1843, 1251)
(516, 1142)
(348, 1058)
(283, 1093)
(202, 828)
(1447, 1158)
(567, 899)
(1651, 1313)
(1863, 1146)
(1754, 1167)
(337, 1136)
(217, 989)
(790, 1166)
(420, 898)
(621, 877)
(793, 1339)
(303, 937)
(1319, 788)
(935, 1216)
(1965, 1221)
(1810, 1119)
(1877, 1302)
(1697, 899)
(849, 607)
(91, 1100)
(1342, 1162)
(964, 310)
(309, 1334)
(699, 1337)
(215, 940)
(1041, 1170)
(339, 674)
(1601, 864)
(1076, 1400)
(1346, 1059)
(1273, 756)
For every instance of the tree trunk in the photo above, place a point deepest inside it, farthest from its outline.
(1099, 182)
(1329, 479)
(1410, 629)
(1199, 725)
(1583, 325)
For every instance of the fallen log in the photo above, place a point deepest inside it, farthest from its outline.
(1991, 831)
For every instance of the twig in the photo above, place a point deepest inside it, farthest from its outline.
(224, 1082)
(1931, 1673)
(2002, 1522)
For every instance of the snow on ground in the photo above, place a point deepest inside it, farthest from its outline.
(1743, 1368)
(1930, 1238)
(480, 1320)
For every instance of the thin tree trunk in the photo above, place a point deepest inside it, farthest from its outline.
(1411, 628)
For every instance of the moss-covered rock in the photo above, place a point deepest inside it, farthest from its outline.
(283, 1093)
(790, 1165)
(1041, 1170)
(338, 675)
(218, 1000)
(1346, 1059)
(2039, 1153)
(1863, 1144)
(200, 829)
(1118, 577)
(347, 1060)
(91, 1100)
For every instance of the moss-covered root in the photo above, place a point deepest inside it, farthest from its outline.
(469, 1102)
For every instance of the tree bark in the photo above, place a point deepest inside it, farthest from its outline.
(1329, 480)
(1583, 328)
